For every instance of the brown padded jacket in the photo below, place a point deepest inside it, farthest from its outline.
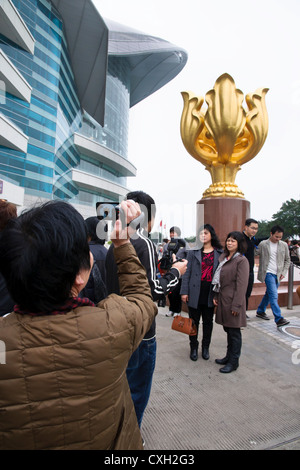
(63, 384)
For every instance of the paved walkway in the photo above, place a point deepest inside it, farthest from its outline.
(195, 407)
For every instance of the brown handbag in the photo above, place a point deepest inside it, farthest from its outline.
(184, 325)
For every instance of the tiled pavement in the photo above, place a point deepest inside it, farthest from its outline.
(193, 406)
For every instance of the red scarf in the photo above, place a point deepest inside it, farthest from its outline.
(69, 305)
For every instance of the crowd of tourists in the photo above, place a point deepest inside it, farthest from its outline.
(78, 318)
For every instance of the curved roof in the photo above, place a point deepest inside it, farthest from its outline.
(153, 61)
(87, 38)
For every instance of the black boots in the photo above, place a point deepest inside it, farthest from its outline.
(194, 353)
(228, 367)
(205, 353)
(222, 361)
(234, 344)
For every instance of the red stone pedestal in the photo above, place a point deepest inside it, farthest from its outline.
(224, 214)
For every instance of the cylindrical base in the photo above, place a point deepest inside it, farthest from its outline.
(224, 214)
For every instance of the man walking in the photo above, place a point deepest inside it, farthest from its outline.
(274, 261)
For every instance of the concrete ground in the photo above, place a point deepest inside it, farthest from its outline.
(194, 407)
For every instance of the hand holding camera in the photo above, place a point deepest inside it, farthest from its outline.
(129, 211)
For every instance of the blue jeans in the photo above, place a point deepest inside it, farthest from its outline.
(271, 296)
(139, 375)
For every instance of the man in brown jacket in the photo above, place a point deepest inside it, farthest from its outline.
(63, 382)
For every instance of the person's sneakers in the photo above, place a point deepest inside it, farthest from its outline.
(169, 314)
(282, 322)
(262, 315)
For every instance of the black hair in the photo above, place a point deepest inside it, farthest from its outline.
(144, 200)
(276, 228)
(250, 221)
(41, 252)
(239, 237)
(175, 230)
(91, 226)
(214, 237)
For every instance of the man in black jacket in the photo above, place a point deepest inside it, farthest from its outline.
(174, 296)
(142, 363)
(250, 230)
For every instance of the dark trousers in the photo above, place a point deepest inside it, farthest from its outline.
(234, 344)
(207, 314)
(249, 288)
(175, 299)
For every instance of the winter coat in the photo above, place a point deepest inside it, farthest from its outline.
(64, 383)
(191, 280)
(234, 278)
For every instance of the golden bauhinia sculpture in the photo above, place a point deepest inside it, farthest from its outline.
(225, 136)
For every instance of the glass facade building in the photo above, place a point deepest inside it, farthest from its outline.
(50, 143)
(47, 120)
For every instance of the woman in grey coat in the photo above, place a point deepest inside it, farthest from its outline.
(196, 286)
(230, 284)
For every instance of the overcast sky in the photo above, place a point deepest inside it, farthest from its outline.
(258, 43)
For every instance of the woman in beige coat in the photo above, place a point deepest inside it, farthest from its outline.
(230, 284)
